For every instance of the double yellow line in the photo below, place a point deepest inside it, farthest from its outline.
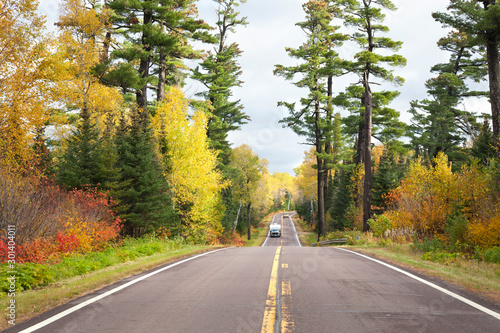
(268, 324)
(270, 312)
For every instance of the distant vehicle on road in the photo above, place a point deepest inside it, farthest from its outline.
(275, 230)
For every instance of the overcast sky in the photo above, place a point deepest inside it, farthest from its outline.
(272, 28)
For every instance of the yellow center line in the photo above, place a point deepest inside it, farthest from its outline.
(270, 312)
(287, 325)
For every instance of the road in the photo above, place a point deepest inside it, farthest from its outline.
(280, 287)
(289, 235)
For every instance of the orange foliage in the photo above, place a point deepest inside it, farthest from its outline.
(231, 238)
(430, 196)
(425, 198)
(485, 234)
(50, 222)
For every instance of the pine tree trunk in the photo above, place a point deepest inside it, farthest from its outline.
(162, 77)
(328, 142)
(321, 199)
(144, 64)
(367, 186)
(320, 170)
(248, 222)
(494, 80)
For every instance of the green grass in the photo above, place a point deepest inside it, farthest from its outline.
(78, 275)
(259, 234)
(306, 236)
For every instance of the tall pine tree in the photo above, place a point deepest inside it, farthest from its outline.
(79, 167)
(155, 32)
(366, 17)
(480, 21)
(145, 202)
(438, 123)
(220, 73)
(320, 62)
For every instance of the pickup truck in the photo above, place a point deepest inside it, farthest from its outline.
(275, 230)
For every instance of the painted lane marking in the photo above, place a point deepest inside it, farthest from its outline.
(110, 292)
(287, 324)
(270, 311)
(295, 230)
(430, 284)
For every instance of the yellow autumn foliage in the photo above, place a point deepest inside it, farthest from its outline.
(426, 197)
(82, 30)
(283, 188)
(306, 178)
(430, 199)
(191, 166)
(27, 70)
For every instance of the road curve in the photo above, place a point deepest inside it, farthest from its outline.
(285, 288)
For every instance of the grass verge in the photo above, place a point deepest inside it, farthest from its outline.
(31, 303)
(476, 276)
(306, 236)
(259, 234)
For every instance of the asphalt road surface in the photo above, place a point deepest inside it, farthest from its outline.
(289, 235)
(280, 287)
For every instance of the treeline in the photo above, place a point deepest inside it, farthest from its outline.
(368, 169)
(98, 108)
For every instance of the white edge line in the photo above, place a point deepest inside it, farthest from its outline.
(293, 225)
(264, 244)
(110, 292)
(452, 294)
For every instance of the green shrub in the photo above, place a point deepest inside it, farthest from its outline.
(456, 229)
(428, 245)
(27, 276)
(492, 255)
(379, 225)
(335, 235)
(385, 242)
(31, 275)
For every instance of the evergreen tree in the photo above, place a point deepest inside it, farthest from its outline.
(438, 124)
(479, 20)
(387, 178)
(154, 30)
(145, 202)
(320, 62)
(109, 170)
(386, 126)
(366, 16)
(482, 147)
(79, 167)
(340, 200)
(220, 73)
